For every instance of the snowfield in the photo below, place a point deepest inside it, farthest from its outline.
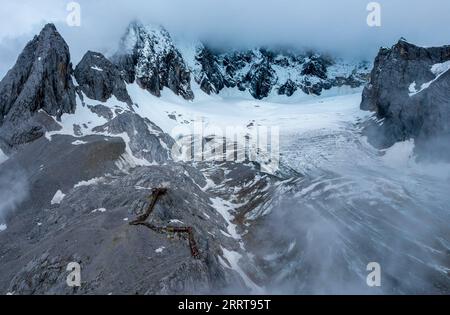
(234, 108)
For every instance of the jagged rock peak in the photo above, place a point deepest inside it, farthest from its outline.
(208, 73)
(40, 80)
(99, 78)
(262, 71)
(409, 92)
(139, 34)
(43, 66)
(148, 55)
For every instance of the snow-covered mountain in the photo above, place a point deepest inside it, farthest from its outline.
(40, 80)
(82, 149)
(148, 55)
(262, 72)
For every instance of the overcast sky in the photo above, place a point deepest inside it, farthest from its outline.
(337, 26)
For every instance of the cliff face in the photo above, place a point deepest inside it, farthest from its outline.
(148, 55)
(262, 72)
(39, 81)
(409, 93)
(99, 78)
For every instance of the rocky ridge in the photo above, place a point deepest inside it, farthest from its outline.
(150, 56)
(408, 92)
(40, 84)
(100, 79)
(262, 72)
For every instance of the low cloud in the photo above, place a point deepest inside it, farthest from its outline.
(14, 189)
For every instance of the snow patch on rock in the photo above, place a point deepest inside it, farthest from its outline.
(224, 207)
(96, 68)
(93, 181)
(79, 142)
(232, 262)
(102, 210)
(58, 198)
(438, 70)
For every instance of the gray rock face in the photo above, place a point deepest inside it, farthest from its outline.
(148, 56)
(261, 71)
(260, 80)
(409, 92)
(147, 141)
(210, 79)
(102, 111)
(315, 66)
(99, 78)
(288, 88)
(40, 80)
(88, 224)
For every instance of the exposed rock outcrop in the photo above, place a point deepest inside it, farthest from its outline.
(315, 66)
(409, 93)
(148, 55)
(146, 140)
(262, 71)
(288, 88)
(260, 80)
(85, 183)
(90, 225)
(39, 81)
(99, 78)
(210, 77)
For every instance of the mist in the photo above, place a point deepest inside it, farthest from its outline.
(357, 208)
(14, 189)
(337, 27)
